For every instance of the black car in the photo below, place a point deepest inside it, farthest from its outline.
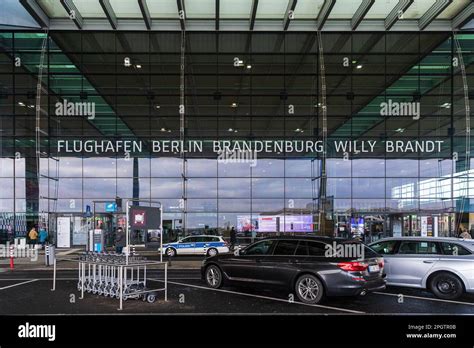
(312, 267)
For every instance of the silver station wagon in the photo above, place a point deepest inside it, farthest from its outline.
(443, 265)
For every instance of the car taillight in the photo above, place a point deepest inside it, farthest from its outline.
(381, 263)
(353, 266)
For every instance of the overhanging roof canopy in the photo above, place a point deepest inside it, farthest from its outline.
(265, 15)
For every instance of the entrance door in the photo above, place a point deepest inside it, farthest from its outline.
(64, 232)
(79, 231)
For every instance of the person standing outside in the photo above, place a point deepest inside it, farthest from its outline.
(120, 240)
(465, 235)
(10, 234)
(43, 236)
(233, 238)
(33, 235)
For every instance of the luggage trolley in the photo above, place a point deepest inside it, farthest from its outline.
(109, 275)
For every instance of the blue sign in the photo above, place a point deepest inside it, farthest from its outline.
(110, 207)
(88, 211)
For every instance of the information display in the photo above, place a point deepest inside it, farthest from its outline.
(297, 223)
(357, 226)
(247, 223)
(275, 223)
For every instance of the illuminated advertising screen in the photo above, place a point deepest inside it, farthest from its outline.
(357, 226)
(275, 223)
(297, 223)
(267, 223)
(246, 223)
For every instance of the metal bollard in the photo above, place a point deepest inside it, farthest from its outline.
(49, 255)
(12, 254)
(46, 255)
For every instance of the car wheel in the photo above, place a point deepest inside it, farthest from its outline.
(213, 277)
(171, 252)
(446, 286)
(309, 289)
(212, 252)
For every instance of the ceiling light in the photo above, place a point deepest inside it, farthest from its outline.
(31, 106)
(138, 66)
(230, 130)
(235, 131)
(163, 129)
(157, 106)
(169, 130)
(21, 103)
(297, 130)
(359, 66)
(354, 61)
(233, 105)
(400, 130)
(446, 105)
(249, 66)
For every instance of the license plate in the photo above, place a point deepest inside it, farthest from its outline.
(374, 268)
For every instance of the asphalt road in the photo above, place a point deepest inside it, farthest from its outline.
(29, 292)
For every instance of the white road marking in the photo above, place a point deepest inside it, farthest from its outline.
(11, 286)
(260, 296)
(424, 298)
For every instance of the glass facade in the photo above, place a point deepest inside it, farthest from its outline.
(244, 86)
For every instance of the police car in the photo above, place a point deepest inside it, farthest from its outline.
(196, 245)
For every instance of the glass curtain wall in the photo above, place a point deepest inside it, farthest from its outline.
(239, 86)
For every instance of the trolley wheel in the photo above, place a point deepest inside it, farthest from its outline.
(151, 298)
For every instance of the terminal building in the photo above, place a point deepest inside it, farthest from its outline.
(92, 92)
